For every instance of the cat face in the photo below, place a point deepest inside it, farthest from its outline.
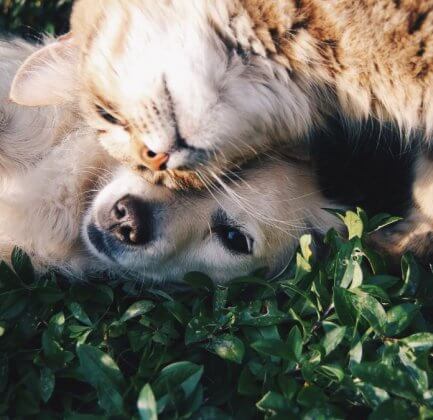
(177, 84)
(153, 232)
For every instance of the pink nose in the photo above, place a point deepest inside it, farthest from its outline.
(154, 161)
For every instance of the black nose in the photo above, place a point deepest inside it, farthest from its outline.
(130, 221)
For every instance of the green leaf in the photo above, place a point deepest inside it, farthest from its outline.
(288, 386)
(376, 292)
(356, 350)
(12, 304)
(104, 294)
(344, 307)
(380, 221)
(333, 372)
(391, 410)
(333, 338)
(8, 278)
(55, 355)
(383, 281)
(420, 341)
(273, 403)
(228, 347)
(311, 396)
(417, 376)
(275, 348)
(79, 314)
(267, 314)
(47, 384)
(411, 272)
(48, 294)
(220, 298)
(347, 266)
(303, 268)
(22, 265)
(56, 325)
(373, 396)
(305, 243)
(369, 309)
(400, 317)
(386, 377)
(102, 372)
(294, 343)
(147, 404)
(354, 222)
(137, 309)
(180, 375)
(198, 281)
(179, 311)
(248, 384)
(198, 329)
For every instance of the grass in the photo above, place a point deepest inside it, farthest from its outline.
(328, 339)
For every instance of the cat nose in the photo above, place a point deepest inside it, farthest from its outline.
(130, 221)
(154, 161)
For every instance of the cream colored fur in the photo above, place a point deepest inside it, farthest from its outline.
(49, 161)
(231, 78)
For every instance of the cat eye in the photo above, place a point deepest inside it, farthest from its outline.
(107, 116)
(233, 239)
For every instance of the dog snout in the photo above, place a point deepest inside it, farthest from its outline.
(130, 221)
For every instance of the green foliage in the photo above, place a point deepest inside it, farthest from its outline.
(327, 339)
(31, 17)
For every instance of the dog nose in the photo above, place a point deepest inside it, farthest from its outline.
(130, 221)
(154, 161)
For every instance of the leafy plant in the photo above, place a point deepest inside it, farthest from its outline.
(32, 17)
(332, 338)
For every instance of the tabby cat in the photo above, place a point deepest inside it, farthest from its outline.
(203, 85)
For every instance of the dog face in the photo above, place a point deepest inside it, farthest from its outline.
(160, 234)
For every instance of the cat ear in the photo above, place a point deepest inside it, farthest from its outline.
(47, 77)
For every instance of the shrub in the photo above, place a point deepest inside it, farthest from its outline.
(332, 338)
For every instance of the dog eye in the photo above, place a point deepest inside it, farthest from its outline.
(107, 116)
(234, 240)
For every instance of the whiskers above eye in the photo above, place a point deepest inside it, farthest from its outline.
(223, 185)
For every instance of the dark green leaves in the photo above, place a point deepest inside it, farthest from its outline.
(228, 347)
(327, 339)
(147, 404)
(388, 378)
(47, 384)
(100, 370)
(137, 309)
(178, 377)
(400, 317)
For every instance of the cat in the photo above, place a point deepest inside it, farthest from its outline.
(203, 85)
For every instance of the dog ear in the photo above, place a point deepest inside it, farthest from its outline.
(47, 77)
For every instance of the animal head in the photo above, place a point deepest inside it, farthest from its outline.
(174, 85)
(252, 222)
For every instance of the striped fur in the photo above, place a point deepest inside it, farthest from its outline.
(199, 79)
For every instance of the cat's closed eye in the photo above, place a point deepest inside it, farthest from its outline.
(107, 116)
